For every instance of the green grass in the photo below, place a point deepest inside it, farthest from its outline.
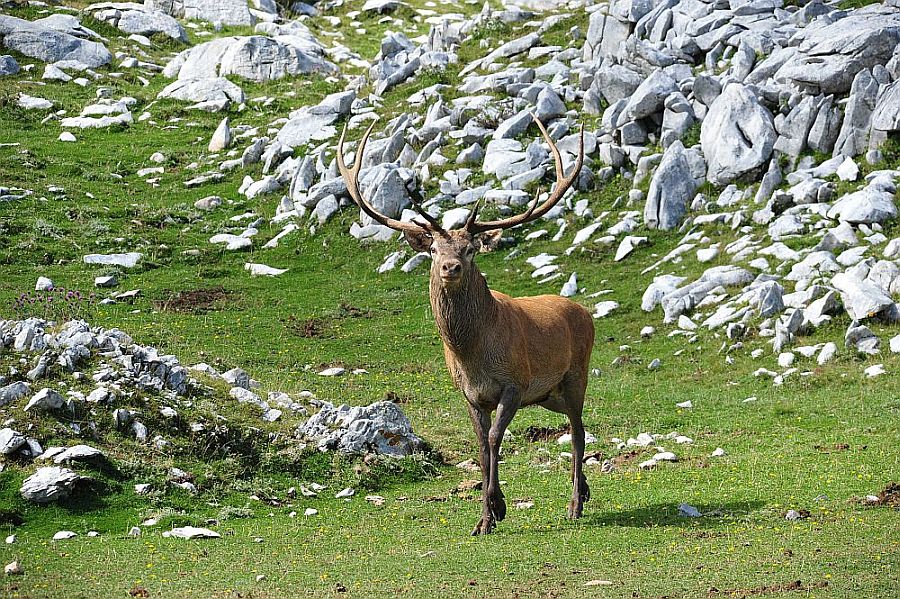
(785, 451)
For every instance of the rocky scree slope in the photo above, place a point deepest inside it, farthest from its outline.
(764, 136)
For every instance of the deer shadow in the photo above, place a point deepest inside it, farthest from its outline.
(668, 514)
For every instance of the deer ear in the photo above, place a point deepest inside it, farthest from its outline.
(421, 242)
(489, 240)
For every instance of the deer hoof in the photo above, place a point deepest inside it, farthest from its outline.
(484, 527)
(575, 509)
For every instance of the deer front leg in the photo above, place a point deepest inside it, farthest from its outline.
(494, 507)
(481, 422)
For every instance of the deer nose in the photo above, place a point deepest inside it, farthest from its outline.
(451, 269)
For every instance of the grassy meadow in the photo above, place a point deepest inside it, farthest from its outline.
(817, 444)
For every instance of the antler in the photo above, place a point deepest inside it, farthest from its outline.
(351, 178)
(535, 211)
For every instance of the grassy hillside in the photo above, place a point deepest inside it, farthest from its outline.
(818, 444)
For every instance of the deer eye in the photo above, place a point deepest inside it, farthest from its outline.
(433, 250)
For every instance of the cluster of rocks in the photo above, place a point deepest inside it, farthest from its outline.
(755, 108)
(688, 92)
(123, 372)
(381, 428)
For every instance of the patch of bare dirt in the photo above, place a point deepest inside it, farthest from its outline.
(538, 434)
(195, 301)
(768, 589)
(322, 327)
(890, 496)
(397, 398)
(311, 328)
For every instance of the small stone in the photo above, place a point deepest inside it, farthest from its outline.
(191, 532)
(63, 535)
(67, 136)
(827, 353)
(685, 404)
(46, 399)
(135, 531)
(106, 281)
(33, 103)
(602, 309)
(571, 286)
(333, 371)
(718, 453)
(348, 492)
(647, 332)
(688, 511)
(14, 569)
(707, 254)
(221, 138)
(686, 323)
(874, 370)
(654, 365)
(895, 345)
(261, 270)
(310, 512)
(785, 359)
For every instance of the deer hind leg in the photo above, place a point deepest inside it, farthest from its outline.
(581, 492)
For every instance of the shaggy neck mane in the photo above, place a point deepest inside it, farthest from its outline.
(461, 312)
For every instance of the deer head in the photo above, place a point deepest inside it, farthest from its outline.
(453, 251)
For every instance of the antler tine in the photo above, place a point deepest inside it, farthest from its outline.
(431, 220)
(562, 185)
(473, 214)
(351, 179)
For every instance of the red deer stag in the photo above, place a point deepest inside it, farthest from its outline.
(503, 353)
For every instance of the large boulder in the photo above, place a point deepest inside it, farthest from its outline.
(737, 135)
(833, 52)
(131, 17)
(307, 125)
(671, 189)
(871, 204)
(226, 12)
(10, 441)
(255, 57)
(853, 137)
(886, 116)
(39, 40)
(648, 98)
(616, 82)
(212, 89)
(862, 299)
(8, 65)
(380, 428)
(386, 186)
(605, 35)
(49, 484)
